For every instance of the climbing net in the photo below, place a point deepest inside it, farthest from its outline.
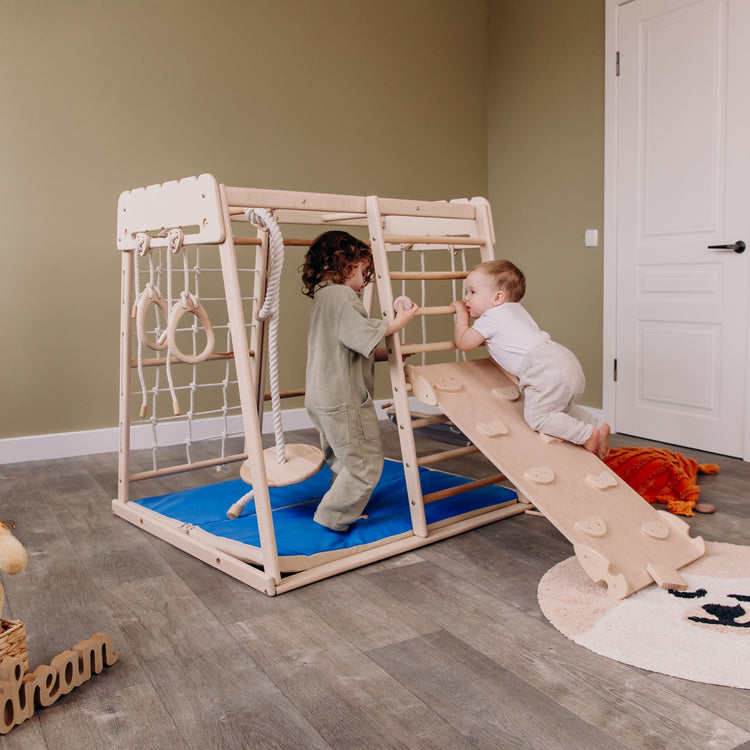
(185, 403)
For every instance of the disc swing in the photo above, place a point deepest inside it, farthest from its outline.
(296, 462)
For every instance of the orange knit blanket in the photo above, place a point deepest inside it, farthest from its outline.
(660, 476)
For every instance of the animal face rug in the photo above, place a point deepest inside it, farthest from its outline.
(700, 634)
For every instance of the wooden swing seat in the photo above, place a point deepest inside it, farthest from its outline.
(302, 462)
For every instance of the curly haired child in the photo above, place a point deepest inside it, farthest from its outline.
(341, 350)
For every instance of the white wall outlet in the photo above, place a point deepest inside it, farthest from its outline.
(591, 238)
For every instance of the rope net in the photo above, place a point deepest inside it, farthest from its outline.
(186, 412)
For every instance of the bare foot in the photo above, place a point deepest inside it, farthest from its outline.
(363, 516)
(603, 446)
(592, 444)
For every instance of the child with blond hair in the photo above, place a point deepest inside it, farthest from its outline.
(549, 375)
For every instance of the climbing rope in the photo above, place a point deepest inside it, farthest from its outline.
(263, 219)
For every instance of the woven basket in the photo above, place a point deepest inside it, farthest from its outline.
(13, 641)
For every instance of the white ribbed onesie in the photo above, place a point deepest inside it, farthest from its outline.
(549, 375)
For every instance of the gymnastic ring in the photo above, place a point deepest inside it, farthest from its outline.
(150, 296)
(178, 310)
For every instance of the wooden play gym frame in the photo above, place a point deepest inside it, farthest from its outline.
(208, 214)
(622, 540)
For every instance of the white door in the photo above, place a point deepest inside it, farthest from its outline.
(683, 184)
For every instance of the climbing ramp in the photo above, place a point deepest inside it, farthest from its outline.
(617, 537)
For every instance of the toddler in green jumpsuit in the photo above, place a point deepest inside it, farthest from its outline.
(341, 350)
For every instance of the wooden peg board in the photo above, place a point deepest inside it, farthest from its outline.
(617, 536)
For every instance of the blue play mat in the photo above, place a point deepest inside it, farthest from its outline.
(294, 505)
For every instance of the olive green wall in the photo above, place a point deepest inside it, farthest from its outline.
(546, 163)
(343, 96)
(428, 99)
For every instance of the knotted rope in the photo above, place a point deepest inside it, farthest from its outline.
(265, 220)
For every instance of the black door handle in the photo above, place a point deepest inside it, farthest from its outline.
(738, 247)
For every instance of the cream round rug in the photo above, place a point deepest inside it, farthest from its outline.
(700, 634)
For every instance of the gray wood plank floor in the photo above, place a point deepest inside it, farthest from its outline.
(441, 648)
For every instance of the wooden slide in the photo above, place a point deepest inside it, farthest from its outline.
(617, 536)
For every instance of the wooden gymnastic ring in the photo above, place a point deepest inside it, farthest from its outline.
(178, 310)
(150, 297)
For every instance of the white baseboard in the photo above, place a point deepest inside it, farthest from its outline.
(88, 442)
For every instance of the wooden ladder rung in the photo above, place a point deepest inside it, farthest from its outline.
(426, 275)
(437, 346)
(461, 488)
(179, 469)
(286, 394)
(421, 239)
(288, 241)
(435, 458)
(157, 361)
(246, 240)
(427, 421)
(442, 310)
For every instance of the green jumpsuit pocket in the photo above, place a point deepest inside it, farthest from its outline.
(334, 423)
(368, 419)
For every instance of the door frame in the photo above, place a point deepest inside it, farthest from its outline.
(609, 245)
(609, 311)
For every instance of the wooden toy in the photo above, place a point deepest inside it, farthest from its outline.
(237, 232)
(405, 302)
(20, 692)
(422, 250)
(13, 557)
(617, 537)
